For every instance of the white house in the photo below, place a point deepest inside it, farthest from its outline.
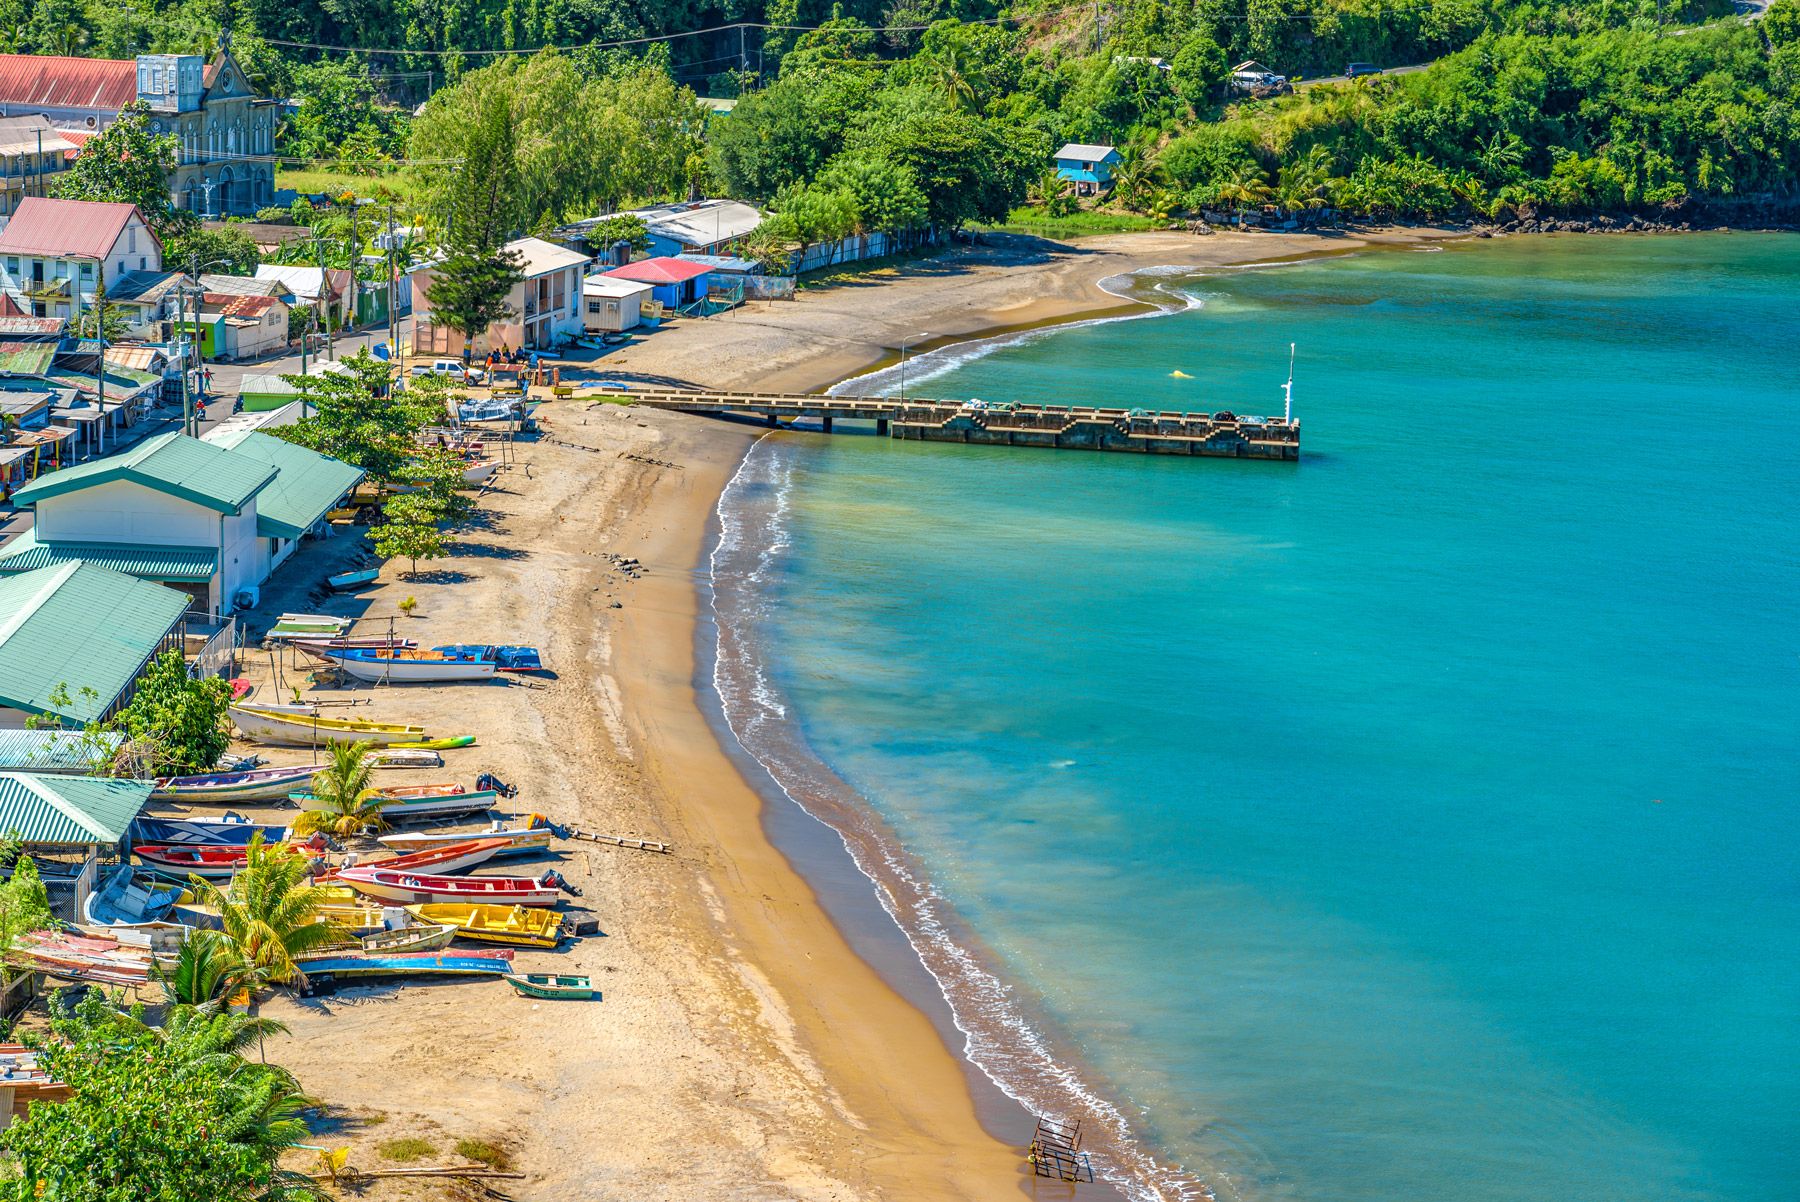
(210, 520)
(610, 305)
(546, 305)
(50, 249)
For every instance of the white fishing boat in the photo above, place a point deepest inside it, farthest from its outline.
(480, 470)
(405, 757)
(412, 667)
(257, 784)
(518, 839)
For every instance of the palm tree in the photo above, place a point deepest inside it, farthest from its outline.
(1136, 173)
(207, 972)
(1502, 157)
(347, 800)
(1306, 182)
(1246, 187)
(957, 78)
(1048, 192)
(271, 911)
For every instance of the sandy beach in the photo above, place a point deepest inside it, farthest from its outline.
(742, 1049)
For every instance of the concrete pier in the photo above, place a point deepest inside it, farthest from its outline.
(1062, 427)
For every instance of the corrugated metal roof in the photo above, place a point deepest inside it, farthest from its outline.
(189, 565)
(48, 809)
(143, 287)
(29, 135)
(144, 359)
(26, 358)
(1085, 151)
(45, 225)
(241, 285)
(700, 222)
(50, 81)
(170, 463)
(659, 271)
(24, 324)
(56, 750)
(541, 257)
(82, 628)
(307, 484)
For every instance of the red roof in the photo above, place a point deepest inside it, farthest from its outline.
(42, 80)
(10, 307)
(660, 271)
(79, 137)
(232, 305)
(48, 226)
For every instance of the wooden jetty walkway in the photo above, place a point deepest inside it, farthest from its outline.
(1067, 427)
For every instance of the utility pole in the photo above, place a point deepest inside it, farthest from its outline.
(393, 294)
(324, 293)
(355, 259)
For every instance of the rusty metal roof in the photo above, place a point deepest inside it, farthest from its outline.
(23, 325)
(52, 82)
(46, 225)
(26, 358)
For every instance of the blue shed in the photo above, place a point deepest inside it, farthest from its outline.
(1089, 168)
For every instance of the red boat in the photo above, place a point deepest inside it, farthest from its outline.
(411, 888)
(181, 859)
(444, 859)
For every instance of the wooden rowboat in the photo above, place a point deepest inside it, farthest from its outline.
(411, 667)
(405, 805)
(518, 840)
(405, 757)
(257, 784)
(552, 986)
(233, 830)
(448, 744)
(495, 924)
(418, 888)
(389, 964)
(203, 860)
(443, 859)
(303, 730)
(409, 939)
(344, 582)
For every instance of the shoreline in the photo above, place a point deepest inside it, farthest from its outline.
(746, 1042)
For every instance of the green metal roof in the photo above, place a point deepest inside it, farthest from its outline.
(45, 809)
(189, 565)
(26, 358)
(307, 486)
(55, 750)
(170, 463)
(81, 627)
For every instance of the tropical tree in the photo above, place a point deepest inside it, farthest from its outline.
(352, 416)
(409, 530)
(126, 163)
(207, 972)
(176, 722)
(958, 80)
(1050, 192)
(271, 911)
(1135, 177)
(1305, 184)
(1247, 187)
(346, 800)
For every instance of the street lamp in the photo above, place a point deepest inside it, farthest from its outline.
(904, 343)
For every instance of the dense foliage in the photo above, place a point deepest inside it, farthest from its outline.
(177, 722)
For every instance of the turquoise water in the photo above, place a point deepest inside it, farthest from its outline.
(1413, 824)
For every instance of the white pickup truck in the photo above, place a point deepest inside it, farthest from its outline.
(448, 367)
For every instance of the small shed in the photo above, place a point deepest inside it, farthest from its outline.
(610, 305)
(63, 752)
(1088, 166)
(69, 815)
(673, 282)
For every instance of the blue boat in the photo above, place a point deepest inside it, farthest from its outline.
(505, 659)
(232, 830)
(345, 582)
(353, 964)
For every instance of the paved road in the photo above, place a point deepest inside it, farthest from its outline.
(1303, 84)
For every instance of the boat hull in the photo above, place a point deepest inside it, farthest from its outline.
(552, 987)
(299, 730)
(409, 889)
(389, 670)
(202, 833)
(519, 842)
(357, 964)
(410, 809)
(258, 784)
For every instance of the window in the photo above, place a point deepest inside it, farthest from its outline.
(12, 265)
(87, 271)
(593, 306)
(131, 239)
(143, 262)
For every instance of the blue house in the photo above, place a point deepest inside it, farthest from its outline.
(1089, 168)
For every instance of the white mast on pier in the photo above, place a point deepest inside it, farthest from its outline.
(1287, 390)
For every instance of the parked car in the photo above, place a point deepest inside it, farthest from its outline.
(1356, 69)
(451, 368)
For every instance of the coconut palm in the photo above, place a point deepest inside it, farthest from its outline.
(956, 77)
(1306, 182)
(271, 911)
(207, 972)
(346, 799)
(1049, 192)
(1135, 175)
(1246, 187)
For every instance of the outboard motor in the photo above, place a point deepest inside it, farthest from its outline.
(555, 879)
(487, 780)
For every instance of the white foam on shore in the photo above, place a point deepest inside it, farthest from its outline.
(928, 365)
(754, 512)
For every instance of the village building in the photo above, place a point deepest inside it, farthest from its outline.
(307, 285)
(32, 153)
(24, 1085)
(673, 282)
(1088, 167)
(63, 752)
(210, 520)
(546, 308)
(75, 636)
(610, 305)
(60, 815)
(225, 132)
(53, 253)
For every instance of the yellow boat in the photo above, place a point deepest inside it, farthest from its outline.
(519, 925)
(353, 920)
(299, 729)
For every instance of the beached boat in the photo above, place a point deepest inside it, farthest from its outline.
(203, 860)
(518, 840)
(552, 987)
(489, 923)
(404, 757)
(231, 830)
(355, 920)
(480, 470)
(126, 899)
(507, 409)
(344, 582)
(379, 642)
(426, 938)
(302, 730)
(506, 659)
(417, 888)
(446, 744)
(444, 859)
(426, 801)
(307, 626)
(404, 964)
(411, 667)
(257, 784)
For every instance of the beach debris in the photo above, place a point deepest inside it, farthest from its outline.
(1180, 375)
(571, 832)
(1056, 1151)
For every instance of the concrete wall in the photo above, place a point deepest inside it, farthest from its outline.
(123, 512)
(243, 558)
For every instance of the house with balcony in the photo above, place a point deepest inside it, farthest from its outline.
(54, 252)
(32, 153)
(545, 305)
